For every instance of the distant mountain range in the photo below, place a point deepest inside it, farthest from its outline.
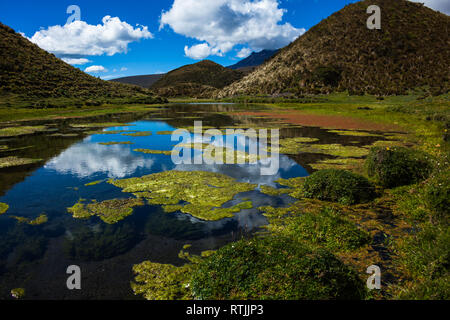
(246, 66)
(29, 73)
(254, 60)
(340, 53)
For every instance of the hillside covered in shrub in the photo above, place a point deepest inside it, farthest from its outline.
(196, 80)
(30, 73)
(341, 53)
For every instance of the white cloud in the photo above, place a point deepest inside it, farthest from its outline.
(76, 61)
(244, 53)
(439, 5)
(96, 69)
(198, 52)
(222, 24)
(123, 69)
(82, 39)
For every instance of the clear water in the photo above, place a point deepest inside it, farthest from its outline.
(36, 257)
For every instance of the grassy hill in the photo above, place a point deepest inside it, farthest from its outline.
(31, 75)
(196, 80)
(341, 53)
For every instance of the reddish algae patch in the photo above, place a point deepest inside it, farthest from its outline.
(324, 121)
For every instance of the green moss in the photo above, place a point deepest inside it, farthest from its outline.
(274, 268)
(295, 186)
(20, 131)
(138, 134)
(16, 161)
(93, 183)
(108, 132)
(115, 143)
(162, 133)
(18, 293)
(32, 222)
(354, 133)
(110, 211)
(273, 191)
(148, 151)
(339, 163)
(294, 146)
(156, 281)
(3, 207)
(338, 186)
(200, 194)
(99, 125)
(326, 228)
(393, 167)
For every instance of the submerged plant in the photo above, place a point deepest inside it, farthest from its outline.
(198, 193)
(149, 151)
(110, 211)
(32, 222)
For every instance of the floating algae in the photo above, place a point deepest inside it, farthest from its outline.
(355, 133)
(295, 186)
(339, 163)
(93, 183)
(19, 131)
(162, 133)
(110, 211)
(198, 193)
(225, 154)
(35, 222)
(113, 143)
(109, 132)
(3, 207)
(16, 161)
(273, 191)
(100, 125)
(138, 134)
(18, 293)
(149, 151)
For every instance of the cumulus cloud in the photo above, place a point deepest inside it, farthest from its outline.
(96, 69)
(76, 61)
(244, 53)
(439, 5)
(222, 24)
(81, 39)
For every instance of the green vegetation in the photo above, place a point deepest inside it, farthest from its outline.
(148, 151)
(113, 143)
(18, 293)
(196, 80)
(437, 195)
(15, 162)
(138, 134)
(200, 194)
(338, 186)
(341, 53)
(3, 207)
(32, 222)
(397, 166)
(274, 268)
(93, 183)
(110, 211)
(20, 131)
(39, 80)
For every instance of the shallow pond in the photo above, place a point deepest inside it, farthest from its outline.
(78, 161)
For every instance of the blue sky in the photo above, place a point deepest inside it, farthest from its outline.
(192, 30)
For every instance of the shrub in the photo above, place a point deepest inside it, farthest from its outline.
(338, 186)
(437, 195)
(327, 228)
(274, 268)
(398, 166)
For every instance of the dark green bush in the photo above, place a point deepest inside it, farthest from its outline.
(274, 268)
(338, 186)
(398, 166)
(437, 195)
